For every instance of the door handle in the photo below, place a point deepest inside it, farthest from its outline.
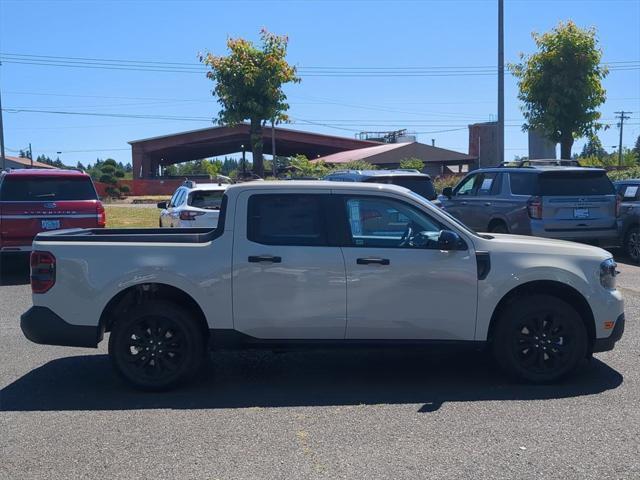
(369, 260)
(264, 258)
(463, 203)
(487, 204)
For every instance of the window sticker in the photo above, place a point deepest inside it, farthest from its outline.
(486, 184)
(631, 191)
(354, 217)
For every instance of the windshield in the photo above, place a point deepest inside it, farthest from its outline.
(207, 199)
(420, 185)
(45, 189)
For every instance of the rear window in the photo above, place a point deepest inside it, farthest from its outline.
(45, 189)
(420, 185)
(524, 183)
(210, 200)
(575, 183)
(289, 219)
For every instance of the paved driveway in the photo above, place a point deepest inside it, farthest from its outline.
(330, 415)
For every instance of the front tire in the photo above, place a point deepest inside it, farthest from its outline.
(157, 346)
(632, 244)
(539, 339)
(498, 227)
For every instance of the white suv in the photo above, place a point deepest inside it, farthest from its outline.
(193, 206)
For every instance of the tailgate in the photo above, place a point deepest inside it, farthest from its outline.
(22, 221)
(577, 199)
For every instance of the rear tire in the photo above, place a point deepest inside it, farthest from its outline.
(632, 244)
(498, 227)
(539, 339)
(157, 346)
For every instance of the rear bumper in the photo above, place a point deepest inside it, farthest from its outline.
(604, 237)
(43, 326)
(606, 344)
(16, 249)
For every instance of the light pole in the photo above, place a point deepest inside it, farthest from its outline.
(244, 163)
(500, 139)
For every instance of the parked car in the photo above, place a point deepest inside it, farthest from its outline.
(415, 181)
(193, 205)
(37, 200)
(629, 193)
(390, 268)
(568, 203)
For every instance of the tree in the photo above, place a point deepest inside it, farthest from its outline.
(248, 85)
(636, 150)
(412, 163)
(301, 166)
(561, 84)
(593, 148)
(358, 165)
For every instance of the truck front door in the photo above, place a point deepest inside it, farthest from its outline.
(288, 281)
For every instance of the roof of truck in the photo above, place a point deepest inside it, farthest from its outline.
(49, 172)
(279, 185)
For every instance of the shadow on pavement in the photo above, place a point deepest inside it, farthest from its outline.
(14, 269)
(317, 378)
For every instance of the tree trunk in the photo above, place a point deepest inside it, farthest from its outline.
(257, 146)
(566, 142)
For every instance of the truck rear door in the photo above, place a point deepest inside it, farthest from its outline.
(33, 204)
(577, 199)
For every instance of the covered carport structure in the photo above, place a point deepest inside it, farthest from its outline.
(149, 154)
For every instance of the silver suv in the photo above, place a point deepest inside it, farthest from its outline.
(568, 203)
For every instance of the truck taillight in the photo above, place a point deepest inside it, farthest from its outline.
(187, 215)
(43, 271)
(102, 215)
(534, 207)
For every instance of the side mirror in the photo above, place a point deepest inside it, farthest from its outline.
(162, 205)
(447, 192)
(449, 240)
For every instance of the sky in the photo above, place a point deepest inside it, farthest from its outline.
(421, 65)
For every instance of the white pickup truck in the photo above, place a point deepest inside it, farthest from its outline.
(301, 264)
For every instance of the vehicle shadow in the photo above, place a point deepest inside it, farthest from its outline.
(14, 269)
(317, 378)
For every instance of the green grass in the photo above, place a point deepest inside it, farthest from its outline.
(131, 217)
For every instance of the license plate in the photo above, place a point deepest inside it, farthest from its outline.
(580, 213)
(50, 224)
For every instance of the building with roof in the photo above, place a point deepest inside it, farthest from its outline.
(437, 161)
(19, 162)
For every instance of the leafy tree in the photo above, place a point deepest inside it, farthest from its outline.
(248, 85)
(24, 154)
(593, 148)
(561, 84)
(412, 163)
(636, 150)
(301, 166)
(358, 165)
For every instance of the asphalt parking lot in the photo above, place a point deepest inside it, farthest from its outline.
(363, 414)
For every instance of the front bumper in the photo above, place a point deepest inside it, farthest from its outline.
(606, 344)
(41, 325)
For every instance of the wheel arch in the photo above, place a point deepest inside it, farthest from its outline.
(144, 292)
(556, 289)
(497, 220)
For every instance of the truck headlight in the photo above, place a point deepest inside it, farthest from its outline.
(608, 274)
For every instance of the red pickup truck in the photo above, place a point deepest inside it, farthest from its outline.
(37, 200)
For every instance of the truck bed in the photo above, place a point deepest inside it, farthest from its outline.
(131, 235)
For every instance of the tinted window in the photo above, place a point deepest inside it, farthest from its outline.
(488, 184)
(286, 220)
(47, 189)
(420, 185)
(210, 200)
(629, 192)
(382, 222)
(523, 183)
(575, 183)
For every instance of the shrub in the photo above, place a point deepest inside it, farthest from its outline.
(412, 163)
(627, 173)
(357, 165)
(443, 181)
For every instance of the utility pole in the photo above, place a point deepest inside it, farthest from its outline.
(4, 162)
(622, 116)
(274, 166)
(500, 82)
(30, 154)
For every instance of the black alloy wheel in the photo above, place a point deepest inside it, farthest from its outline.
(157, 346)
(540, 338)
